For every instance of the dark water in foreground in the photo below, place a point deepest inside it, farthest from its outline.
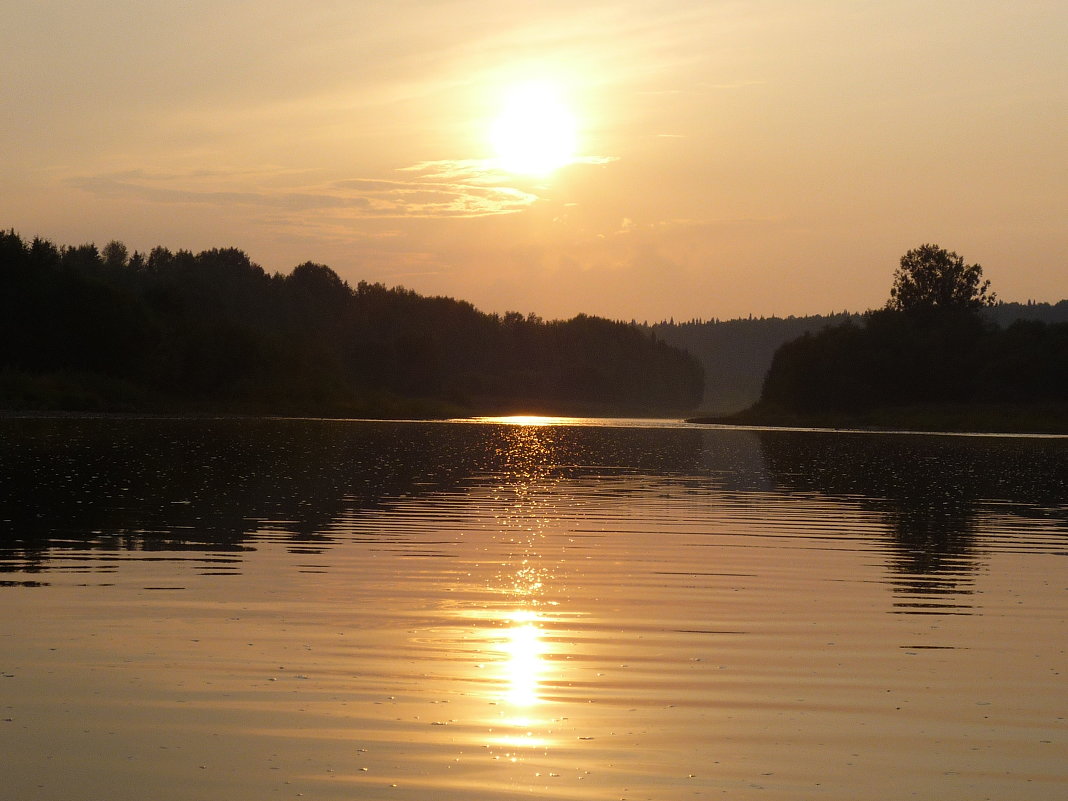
(477, 610)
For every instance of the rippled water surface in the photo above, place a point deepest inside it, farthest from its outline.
(486, 610)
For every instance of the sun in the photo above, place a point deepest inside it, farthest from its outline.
(535, 132)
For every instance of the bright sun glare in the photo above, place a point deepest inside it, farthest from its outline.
(535, 132)
(524, 650)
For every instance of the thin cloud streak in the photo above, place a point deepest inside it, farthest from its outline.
(447, 188)
(427, 195)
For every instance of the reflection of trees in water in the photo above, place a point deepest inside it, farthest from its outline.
(218, 485)
(932, 491)
(203, 484)
(215, 485)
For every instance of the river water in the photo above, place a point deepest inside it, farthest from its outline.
(484, 610)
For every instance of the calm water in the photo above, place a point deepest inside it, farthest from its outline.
(478, 611)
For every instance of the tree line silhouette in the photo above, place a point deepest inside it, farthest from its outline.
(736, 354)
(1004, 352)
(932, 344)
(85, 328)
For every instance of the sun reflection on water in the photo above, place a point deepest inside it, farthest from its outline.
(524, 667)
(522, 719)
(517, 632)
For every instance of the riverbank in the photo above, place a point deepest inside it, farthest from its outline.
(67, 393)
(76, 394)
(1050, 418)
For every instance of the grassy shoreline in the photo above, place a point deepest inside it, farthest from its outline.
(1001, 418)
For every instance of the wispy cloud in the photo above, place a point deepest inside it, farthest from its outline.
(458, 188)
(432, 189)
(483, 171)
(162, 189)
(455, 188)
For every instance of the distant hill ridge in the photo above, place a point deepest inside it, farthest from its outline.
(736, 354)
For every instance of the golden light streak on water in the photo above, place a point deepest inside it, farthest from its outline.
(524, 648)
(528, 420)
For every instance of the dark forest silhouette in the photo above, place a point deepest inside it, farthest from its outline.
(736, 354)
(89, 329)
(934, 351)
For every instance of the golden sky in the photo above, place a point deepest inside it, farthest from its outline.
(713, 159)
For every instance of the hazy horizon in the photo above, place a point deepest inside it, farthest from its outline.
(628, 160)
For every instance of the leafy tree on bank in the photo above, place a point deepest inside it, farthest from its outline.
(931, 278)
